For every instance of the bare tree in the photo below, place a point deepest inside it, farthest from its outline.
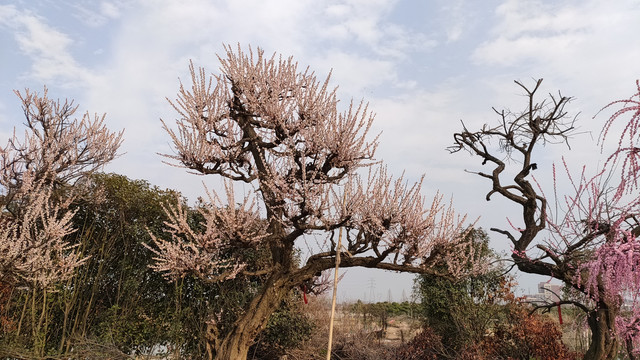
(35, 177)
(264, 123)
(590, 236)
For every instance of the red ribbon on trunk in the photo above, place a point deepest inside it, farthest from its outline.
(559, 313)
(304, 293)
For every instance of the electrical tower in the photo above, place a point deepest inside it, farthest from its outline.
(371, 285)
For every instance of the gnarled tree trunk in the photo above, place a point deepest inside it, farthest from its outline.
(604, 342)
(262, 122)
(236, 343)
(588, 227)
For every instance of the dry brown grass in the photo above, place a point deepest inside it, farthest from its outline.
(352, 337)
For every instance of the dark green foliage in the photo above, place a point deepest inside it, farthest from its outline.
(114, 298)
(480, 318)
(287, 328)
(460, 312)
(390, 308)
(129, 300)
(117, 302)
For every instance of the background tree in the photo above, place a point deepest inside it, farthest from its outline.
(35, 174)
(522, 334)
(266, 124)
(482, 320)
(461, 312)
(479, 317)
(56, 150)
(115, 298)
(592, 241)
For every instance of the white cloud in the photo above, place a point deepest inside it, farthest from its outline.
(366, 23)
(7, 13)
(584, 48)
(526, 16)
(457, 21)
(4, 122)
(155, 40)
(417, 127)
(567, 38)
(94, 14)
(47, 48)
(354, 74)
(338, 10)
(533, 30)
(110, 9)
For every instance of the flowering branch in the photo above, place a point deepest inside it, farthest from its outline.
(34, 197)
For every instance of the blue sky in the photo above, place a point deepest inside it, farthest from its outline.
(422, 65)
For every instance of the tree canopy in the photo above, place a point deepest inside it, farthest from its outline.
(265, 123)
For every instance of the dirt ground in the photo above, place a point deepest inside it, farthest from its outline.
(400, 330)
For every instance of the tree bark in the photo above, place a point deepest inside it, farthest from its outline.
(604, 342)
(630, 351)
(235, 345)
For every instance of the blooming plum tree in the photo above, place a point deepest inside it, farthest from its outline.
(264, 123)
(35, 174)
(589, 240)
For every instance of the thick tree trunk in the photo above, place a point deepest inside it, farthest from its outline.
(604, 343)
(236, 344)
(630, 350)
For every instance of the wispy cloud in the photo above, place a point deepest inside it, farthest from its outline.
(367, 24)
(96, 14)
(457, 21)
(533, 30)
(155, 40)
(46, 47)
(558, 34)
(586, 49)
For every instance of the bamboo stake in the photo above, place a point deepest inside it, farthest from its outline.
(335, 284)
